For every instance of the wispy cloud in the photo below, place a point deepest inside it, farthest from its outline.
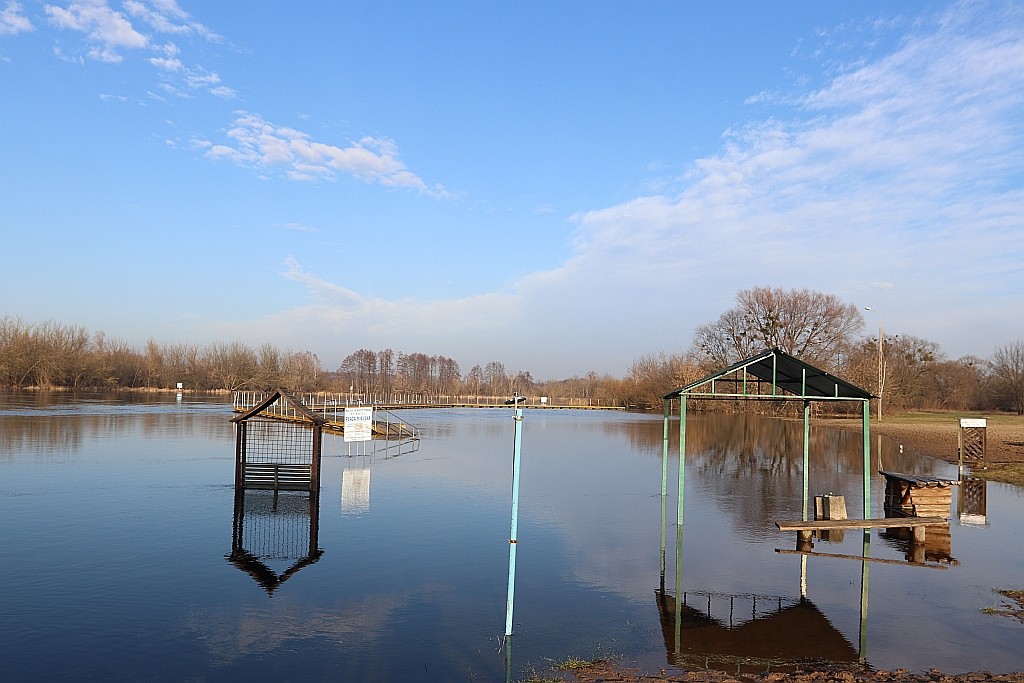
(13, 20)
(259, 144)
(107, 31)
(898, 179)
(298, 227)
(110, 34)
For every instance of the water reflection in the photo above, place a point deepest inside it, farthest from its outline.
(748, 633)
(272, 528)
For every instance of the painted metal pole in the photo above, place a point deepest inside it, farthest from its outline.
(866, 429)
(682, 461)
(513, 540)
(664, 486)
(807, 450)
(679, 524)
(864, 569)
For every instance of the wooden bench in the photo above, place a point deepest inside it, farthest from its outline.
(276, 476)
(803, 528)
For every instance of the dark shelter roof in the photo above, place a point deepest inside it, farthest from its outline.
(779, 369)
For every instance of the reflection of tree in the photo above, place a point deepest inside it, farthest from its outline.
(753, 465)
(65, 428)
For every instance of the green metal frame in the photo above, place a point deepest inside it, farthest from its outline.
(789, 379)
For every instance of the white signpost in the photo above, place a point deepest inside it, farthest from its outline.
(358, 424)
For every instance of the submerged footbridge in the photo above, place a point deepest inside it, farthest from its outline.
(327, 408)
(278, 437)
(335, 403)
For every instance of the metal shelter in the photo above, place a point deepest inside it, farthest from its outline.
(772, 375)
(279, 451)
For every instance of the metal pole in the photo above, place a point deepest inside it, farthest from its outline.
(513, 540)
(866, 420)
(864, 570)
(881, 371)
(807, 449)
(664, 487)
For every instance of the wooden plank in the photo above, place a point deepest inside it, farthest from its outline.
(886, 522)
(840, 556)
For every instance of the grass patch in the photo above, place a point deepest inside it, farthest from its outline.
(571, 664)
(1015, 610)
(1005, 472)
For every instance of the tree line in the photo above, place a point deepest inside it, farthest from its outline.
(818, 328)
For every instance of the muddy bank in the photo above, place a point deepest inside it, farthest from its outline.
(609, 672)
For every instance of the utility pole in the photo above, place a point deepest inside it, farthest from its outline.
(881, 366)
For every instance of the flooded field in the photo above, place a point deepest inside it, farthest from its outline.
(126, 555)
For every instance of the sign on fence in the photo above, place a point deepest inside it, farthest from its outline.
(358, 424)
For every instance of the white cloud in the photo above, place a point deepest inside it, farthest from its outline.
(299, 227)
(164, 16)
(13, 21)
(107, 30)
(897, 180)
(260, 144)
(109, 33)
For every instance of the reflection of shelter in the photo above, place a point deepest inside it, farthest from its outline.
(274, 529)
(780, 633)
(937, 546)
(280, 452)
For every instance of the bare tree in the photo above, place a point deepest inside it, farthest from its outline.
(1008, 368)
(810, 325)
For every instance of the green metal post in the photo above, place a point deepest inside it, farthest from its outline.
(682, 460)
(679, 523)
(807, 450)
(513, 540)
(664, 486)
(864, 568)
(867, 458)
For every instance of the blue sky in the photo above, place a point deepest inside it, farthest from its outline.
(562, 187)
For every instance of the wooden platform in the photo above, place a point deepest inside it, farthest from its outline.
(805, 527)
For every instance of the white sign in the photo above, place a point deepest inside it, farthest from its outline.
(973, 422)
(358, 424)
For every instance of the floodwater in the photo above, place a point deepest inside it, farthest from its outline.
(124, 556)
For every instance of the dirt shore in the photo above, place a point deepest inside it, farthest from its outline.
(935, 435)
(608, 672)
(1005, 442)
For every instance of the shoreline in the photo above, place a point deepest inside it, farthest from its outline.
(603, 671)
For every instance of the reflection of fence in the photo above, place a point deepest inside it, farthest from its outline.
(972, 502)
(271, 527)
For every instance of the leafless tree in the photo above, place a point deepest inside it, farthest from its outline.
(810, 325)
(1008, 371)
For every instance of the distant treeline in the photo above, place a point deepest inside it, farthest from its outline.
(911, 373)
